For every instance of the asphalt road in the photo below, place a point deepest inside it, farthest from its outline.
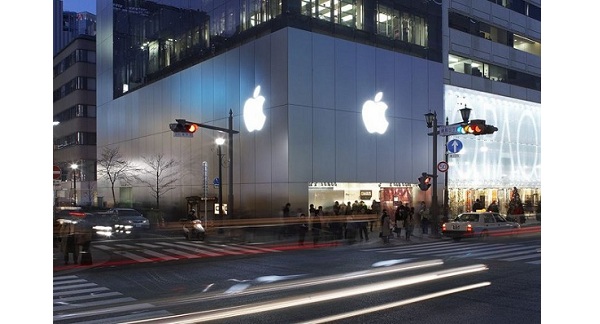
(492, 281)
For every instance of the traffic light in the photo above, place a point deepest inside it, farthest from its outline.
(183, 126)
(476, 127)
(424, 181)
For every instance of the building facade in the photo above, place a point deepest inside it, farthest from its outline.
(315, 73)
(75, 122)
(494, 67)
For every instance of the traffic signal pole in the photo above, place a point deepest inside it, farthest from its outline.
(230, 173)
(446, 198)
(434, 196)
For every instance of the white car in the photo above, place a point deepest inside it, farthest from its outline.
(479, 224)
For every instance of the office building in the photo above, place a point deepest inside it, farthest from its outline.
(322, 71)
(74, 109)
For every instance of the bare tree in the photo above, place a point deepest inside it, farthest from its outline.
(160, 175)
(114, 167)
(90, 191)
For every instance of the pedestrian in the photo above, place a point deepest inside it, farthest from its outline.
(362, 229)
(317, 225)
(302, 229)
(477, 205)
(83, 239)
(68, 245)
(493, 207)
(385, 227)
(409, 223)
(285, 229)
(399, 217)
(424, 221)
(192, 215)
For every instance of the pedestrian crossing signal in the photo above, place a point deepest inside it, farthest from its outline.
(424, 181)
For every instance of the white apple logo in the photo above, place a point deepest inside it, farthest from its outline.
(373, 113)
(254, 116)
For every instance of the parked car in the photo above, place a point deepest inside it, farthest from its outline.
(130, 216)
(479, 224)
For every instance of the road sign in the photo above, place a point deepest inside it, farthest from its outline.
(454, 146)
(442, 166)
(445, 130)
(217, 182)
(56, 172)
(182, 134)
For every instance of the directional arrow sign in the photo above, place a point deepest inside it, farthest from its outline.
(454, 146)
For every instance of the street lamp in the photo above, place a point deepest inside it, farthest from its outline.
(74, 168)
(431, 120)
(220, 141)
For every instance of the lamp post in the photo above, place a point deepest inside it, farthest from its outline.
(220, 141)
(230, 175)
(431, 120)
(74, 168)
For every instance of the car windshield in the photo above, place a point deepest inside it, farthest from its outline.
(468, 218)
(128, 212)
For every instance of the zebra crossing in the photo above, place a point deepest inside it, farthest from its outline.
(74, 296)
(175, 250)
(511, 252)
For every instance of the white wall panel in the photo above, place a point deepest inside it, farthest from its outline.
(323, 144)
(300, 144)
(346, 149)
(325, 64)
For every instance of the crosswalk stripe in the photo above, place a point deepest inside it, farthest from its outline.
(88, 296)
(159, 255)
(129, 318)
(69, 301)
(476, 251)
(197, 248)
(87, 284)
(93, 304)
(513, 253)
(133, 256)
(80, 291)
(184, 254)
(148, 245)
(523, 257)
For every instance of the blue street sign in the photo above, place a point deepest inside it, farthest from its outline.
(217, 182)
(454, 146)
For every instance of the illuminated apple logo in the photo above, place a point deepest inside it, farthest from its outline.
(373, 113)
(254, 116)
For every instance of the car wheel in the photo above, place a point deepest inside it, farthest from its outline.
(484, 235)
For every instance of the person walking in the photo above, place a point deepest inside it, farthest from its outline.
(409, 224)
(68, 245)
(302, 229)
(317, 225)
(385, 227)
(493, 207)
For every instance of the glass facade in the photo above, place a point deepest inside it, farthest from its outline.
(153, 39)
(489, 166)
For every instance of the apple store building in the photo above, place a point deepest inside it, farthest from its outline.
(317, 101)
